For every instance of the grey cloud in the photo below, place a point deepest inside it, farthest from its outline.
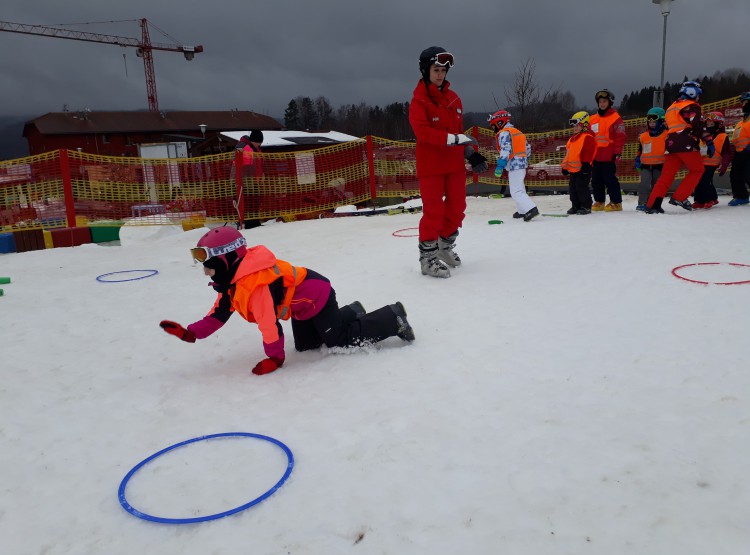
(259, 55)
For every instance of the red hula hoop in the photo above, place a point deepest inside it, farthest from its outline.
(398, 231)
(677, 275)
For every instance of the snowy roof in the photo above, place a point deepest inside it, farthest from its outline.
(291, 138)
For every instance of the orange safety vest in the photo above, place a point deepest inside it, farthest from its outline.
(741, 135)
(675, 122)
(293, 276)
(652, 152)
(601, 125)
(517, 142)
(715, 160)
(572, 161)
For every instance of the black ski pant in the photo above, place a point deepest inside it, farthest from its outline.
(339, 327)
(739, 175)
(604, 177)
(578, 189)
(705, 190)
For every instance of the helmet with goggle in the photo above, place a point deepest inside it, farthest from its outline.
(604, 93)
(656, 113)
(716, 117)
(745, 96)
(434, 55)
(218, 243)
(691, 90)
(499, 119)
(581, 118)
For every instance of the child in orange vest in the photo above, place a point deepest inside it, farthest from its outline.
(264, 290)
(685, 129)
(650, 158)
(705, 195)
(609, 132)
(514, 151)
(579, 155)
(739, 175)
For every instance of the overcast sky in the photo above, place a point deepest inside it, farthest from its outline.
(261, 54)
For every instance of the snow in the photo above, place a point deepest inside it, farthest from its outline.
(566, 394)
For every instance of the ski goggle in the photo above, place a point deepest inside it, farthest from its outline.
(603, 94)
(575, 121)
(201, 254)
(443, 59)
(652, 117)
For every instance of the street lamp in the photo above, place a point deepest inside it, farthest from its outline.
(203, 128)
(659, 95)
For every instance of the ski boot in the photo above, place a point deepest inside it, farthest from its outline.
(445, 250)
(431, 264)
(405, 330)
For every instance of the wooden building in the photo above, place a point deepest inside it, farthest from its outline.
(120, 133)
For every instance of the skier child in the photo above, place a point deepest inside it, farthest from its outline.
(579, 155)
(685, 129)
(514, 151)
(264, 290)
(739, 175)
(705, 195)
(650, 158)
(609, 130)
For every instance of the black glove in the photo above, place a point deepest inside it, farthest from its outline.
(478, 162)
(565, 172)
(585, 169)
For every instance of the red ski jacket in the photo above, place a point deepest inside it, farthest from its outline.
(434, 114)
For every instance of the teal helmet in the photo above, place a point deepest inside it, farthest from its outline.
(656, 111)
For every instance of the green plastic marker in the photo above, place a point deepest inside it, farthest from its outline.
(2, 292)
(495, 222)
(4, 280)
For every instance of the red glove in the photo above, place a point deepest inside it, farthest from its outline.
(267, 365)
(177, 330)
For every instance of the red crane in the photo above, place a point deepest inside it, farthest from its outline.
(143, 45)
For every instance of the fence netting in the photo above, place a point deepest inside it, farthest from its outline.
(70, 188)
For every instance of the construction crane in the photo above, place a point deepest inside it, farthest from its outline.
(144, 47)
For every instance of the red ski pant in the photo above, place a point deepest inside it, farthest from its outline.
(672, 164)
(443, 204)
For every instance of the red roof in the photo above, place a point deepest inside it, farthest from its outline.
(87, 122)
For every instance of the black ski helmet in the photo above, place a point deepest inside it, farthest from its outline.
(427, 57)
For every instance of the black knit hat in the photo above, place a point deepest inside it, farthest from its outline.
(256, 136)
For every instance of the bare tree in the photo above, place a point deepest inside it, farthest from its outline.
(529, 102)
(524, 91)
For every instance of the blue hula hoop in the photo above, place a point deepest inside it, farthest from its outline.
(135, 512)
(99, 278)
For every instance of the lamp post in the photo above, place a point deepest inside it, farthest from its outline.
(203, 128)
(659, 95)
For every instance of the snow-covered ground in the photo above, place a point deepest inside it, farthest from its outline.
(566, 394)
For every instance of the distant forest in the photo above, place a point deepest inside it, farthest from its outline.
(721, 85)
(540, 110)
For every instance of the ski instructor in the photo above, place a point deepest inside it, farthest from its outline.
(436, 116)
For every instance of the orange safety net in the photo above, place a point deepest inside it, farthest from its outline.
(68, 188)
